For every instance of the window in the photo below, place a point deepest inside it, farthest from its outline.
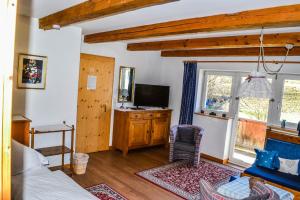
(290, 108)
(218, 90)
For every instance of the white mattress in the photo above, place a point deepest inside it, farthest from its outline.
(42, 184)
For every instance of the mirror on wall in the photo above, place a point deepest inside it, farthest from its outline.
(126, 84)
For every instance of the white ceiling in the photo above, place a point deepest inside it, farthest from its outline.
(161, 13)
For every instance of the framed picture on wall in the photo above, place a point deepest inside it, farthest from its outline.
(32, 71)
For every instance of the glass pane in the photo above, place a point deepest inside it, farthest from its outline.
(290, 110)
(254, 108)
(218, 93)
(251, 127)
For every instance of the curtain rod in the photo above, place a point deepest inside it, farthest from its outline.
(240, 61)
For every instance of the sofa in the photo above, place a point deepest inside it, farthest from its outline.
(285, 150)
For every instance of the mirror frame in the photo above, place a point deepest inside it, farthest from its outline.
(120, 83)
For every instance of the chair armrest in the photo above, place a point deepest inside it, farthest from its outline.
(173, 133)
(198, 137)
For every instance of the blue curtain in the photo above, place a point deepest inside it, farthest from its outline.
(188, 93)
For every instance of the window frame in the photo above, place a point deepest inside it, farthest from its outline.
(279, 98)
(275, 106)
(204, 89)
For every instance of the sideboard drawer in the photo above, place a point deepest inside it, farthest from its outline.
(161, 115)
(136, 116)
(148, 115)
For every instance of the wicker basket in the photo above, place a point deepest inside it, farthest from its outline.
(80, 162)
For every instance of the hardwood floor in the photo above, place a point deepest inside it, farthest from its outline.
(118, 172)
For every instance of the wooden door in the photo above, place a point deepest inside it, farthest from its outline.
(139, 133)
(94, 103)
(7, 38)
(160, 128)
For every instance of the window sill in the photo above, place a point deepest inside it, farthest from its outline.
(212, 116)
(287, 129)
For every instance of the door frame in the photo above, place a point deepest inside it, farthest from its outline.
(8, 12)
(235, 112)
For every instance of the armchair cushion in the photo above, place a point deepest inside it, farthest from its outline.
(183, 146)
(259, 191)
(186, 134)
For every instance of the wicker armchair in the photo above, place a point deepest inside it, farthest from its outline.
(183, 150)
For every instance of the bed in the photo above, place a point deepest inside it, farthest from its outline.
(32, 180)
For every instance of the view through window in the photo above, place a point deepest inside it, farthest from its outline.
(218, 93)
(290, 109)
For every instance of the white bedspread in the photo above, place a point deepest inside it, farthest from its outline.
(43, 184)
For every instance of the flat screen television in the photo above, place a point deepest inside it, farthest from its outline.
(151, 95)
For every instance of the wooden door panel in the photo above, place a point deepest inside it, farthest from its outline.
(94, 106)
(139, 131)
(159, 130)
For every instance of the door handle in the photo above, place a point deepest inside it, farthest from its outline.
(104, 107)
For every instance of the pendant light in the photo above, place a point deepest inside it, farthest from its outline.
(256, 84)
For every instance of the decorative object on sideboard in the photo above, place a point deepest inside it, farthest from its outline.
(213, 113)
(224, 115)
(124, 94)
(32, 71)
(202, 111)
(283, 122)
(126, 82)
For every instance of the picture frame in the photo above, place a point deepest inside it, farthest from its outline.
(32, 71)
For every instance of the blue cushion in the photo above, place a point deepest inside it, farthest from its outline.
(232, 178)
(285, 150)
(287, 180)
(265, 158)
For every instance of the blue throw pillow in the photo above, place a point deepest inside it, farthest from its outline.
(266, 159)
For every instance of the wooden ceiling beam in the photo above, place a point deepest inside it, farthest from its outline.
(243, 41)
(275, 51)
(282, 16)
(94, 9)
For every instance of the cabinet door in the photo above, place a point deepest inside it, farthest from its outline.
(139, 133)
(160, 128)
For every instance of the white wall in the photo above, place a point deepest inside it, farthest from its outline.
(147, 66)
(217, 132)
(216, 137)
(58, 102)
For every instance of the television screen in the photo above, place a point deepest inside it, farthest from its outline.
(151, 95)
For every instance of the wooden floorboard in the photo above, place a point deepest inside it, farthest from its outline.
(119, 173)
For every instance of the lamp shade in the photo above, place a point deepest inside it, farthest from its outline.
(256, 85)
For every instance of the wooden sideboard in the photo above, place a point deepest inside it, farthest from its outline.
(140, 128)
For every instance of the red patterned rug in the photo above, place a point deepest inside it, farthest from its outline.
(104, 192)
(183, 179)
